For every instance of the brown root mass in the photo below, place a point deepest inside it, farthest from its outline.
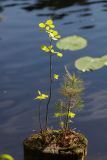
(57, 141)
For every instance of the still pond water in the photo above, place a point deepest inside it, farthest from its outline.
(23, 68)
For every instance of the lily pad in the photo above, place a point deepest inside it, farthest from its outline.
(104, 60)
(88, 64)
(96, 64)
(72, 43)
(83, 63)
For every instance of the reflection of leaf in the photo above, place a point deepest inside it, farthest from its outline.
(72, 43)
(88, 64)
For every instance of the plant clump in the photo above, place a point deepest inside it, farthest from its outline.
(71, 90)
(64, 140)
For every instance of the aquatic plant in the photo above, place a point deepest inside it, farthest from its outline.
(72, 43)
(90, 63)
(71, 89)
(48, 27)
(64, 142)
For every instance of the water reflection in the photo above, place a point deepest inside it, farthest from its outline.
(6, 3)
(54, 4)
(1, 8)
(87, 27)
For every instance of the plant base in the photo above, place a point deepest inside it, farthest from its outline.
(55, 145)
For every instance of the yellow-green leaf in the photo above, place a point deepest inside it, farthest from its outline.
(45, 48)
(42, 25)
(49, 22)
(58, 36)
(59, 54)
(59, 114)
(42, 97)
(50, 47)
(6, 157)
(55, 33)
(71, 114)
(52, 50)
(51, 26)
(47, 28)
(56, 76)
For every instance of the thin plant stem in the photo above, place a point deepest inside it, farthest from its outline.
(39, 113)
(50, 87)
(67, 118)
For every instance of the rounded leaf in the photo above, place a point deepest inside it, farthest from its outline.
(96, 64)
(72, 43)
(49, 22)
(42, 25)
(104, 60)
(88, 64)
(83, 63)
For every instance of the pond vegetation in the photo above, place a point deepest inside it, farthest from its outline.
(20, 69)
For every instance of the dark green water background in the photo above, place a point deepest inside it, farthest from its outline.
(24, 69)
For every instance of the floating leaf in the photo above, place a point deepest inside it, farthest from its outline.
(104, 60)
(96, 64)
(88, 63)
(72, 43)
(83, 63)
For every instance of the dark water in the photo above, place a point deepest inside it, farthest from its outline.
(24, 68)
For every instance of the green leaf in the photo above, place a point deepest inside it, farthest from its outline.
(71, 114)
(6, 157)
(83, 64)
(104, 59)
(96, 64)
(45, 48)
(72, 43)
(42, 25)
(49, 22)
(59, 114)
(88, 63)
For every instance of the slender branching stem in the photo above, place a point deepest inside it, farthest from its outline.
(50, 86)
